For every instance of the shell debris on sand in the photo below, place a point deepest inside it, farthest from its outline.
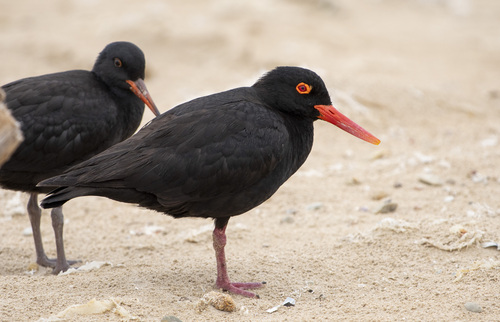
(396, 225)
(288, 302)
(89, 266)
(92, 307)
(457, 237)
(477, 265)
(32, 268)
(220, 301)
(491, 244)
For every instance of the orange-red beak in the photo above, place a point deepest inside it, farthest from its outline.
(331, 115)
(139, 88)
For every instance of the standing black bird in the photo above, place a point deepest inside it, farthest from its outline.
(216, 156)
(67, 118)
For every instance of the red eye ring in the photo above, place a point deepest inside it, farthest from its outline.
(303, 88)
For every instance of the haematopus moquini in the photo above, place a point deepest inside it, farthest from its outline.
(216, 156)
(68, 117)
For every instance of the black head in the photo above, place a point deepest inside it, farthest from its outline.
(121, 65)
(302, 93)
(293, 90)
(118, 62)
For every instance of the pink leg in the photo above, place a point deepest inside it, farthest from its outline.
(219, 239)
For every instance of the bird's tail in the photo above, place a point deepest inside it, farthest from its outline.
(59, 196)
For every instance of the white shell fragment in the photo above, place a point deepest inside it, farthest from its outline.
(93, 307)
(148, 230)
(490, 244)
(273, 309)
(288, 302)
(86, 268)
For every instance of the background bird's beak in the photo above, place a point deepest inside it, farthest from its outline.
(330, 114)
(139, 88)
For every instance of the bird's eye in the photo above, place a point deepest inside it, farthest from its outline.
(118, 63)
(303, 88)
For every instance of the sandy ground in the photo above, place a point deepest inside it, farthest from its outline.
(421, 75)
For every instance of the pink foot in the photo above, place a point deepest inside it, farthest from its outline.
(223, 282)
(239, 288)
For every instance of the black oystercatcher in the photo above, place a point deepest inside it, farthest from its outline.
(68, 117)
(217, 156)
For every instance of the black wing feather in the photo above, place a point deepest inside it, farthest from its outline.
(195, 157)
(62, 120)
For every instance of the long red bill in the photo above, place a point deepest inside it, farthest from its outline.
(331, 115)
(139, 88)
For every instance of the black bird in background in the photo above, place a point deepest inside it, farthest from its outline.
(67, 118)
(216, 156)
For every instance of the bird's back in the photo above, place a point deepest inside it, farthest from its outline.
(215, 156)
(65, 118)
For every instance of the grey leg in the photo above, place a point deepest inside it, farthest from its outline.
(35, 213)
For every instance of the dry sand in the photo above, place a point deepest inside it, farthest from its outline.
(424, 76)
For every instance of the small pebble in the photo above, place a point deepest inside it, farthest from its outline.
(27, 231)
(379, 154)
(449, 198)
(424, 158)
(451, 182)
(170, 318)
(473, 307)
(387, 208)
(477, 177)
(244, 310)
(491, 141)
(315, 206)
(397, 185)
(380, 195)
(287, 220)
(430, 179)
(354, 181)
(33, 267)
